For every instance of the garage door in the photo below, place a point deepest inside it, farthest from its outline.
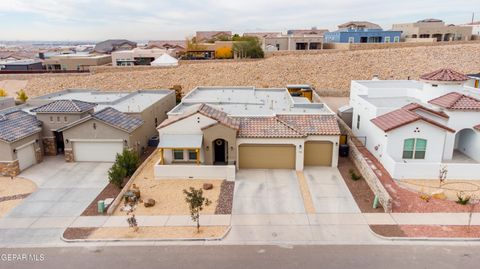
(26, 156)
(318, 153)
(261, 156)
(91, 151)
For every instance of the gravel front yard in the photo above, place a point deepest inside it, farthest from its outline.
(12, 192)
(439, 231)
(158, 232)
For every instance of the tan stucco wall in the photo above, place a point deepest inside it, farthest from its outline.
(73, 63)
(48, 126)
(217, 131)
(85, 130)
(409, 29)
(6, 149)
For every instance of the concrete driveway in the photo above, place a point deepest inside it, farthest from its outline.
(64, 191)
(329, 192)
(267, 191)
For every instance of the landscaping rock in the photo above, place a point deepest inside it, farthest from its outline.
(149, 202)
(207, 186)
(439, 194)
(108, 202)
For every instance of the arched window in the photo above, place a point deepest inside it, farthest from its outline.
(414, 148)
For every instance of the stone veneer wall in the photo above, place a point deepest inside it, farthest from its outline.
(50, 147)
(366, 171)
(38, 155)
(10, 169)
(69, 157)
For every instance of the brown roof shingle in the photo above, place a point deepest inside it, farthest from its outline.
(313, 124)
(402, 117)
(444, 74)
(266, 127)
(415, 106)
(456, 101)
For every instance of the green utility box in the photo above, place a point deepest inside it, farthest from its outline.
(101, 206)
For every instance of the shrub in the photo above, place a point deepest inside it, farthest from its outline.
(3, 93)
(129, 160)
(248, 47)
(116, 175)
(224, 53)
(462, 199)
(22, 96)
(354, 175)
(196, 202)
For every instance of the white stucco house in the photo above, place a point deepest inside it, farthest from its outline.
(415, 128)
(215, 131)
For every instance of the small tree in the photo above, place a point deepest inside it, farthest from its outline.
(224, 53)
(22, 96)
(196, 202)
(178, 92)
(3, 93)
(128, 160)
(116, 175)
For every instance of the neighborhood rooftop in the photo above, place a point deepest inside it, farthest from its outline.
(17, 125)
(133, 102)
(65, 106)
(249, 101)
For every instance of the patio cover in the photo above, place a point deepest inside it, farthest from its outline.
(165, 60)
(180, 141)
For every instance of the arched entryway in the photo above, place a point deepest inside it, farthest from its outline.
(220, 153)
(465, 145)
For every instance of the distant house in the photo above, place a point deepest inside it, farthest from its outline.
(475, 29)
(361, 32)
(309, 39)
(177, 46)
(137, 56)
(208, 36)
(433, 29)
(76, 62)
(110, 45)
(21, 65)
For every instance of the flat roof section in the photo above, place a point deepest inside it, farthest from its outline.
(394, 102)
(391, 84)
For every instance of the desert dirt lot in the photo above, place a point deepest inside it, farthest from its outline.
(12, 192)
(330, 73)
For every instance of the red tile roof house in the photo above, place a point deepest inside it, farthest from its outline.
(216, 130)
(415, 128)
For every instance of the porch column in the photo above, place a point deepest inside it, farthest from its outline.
(162, 161)
(198, 156)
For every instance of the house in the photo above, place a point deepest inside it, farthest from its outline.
(20, 142)
(475, 25)
(474, 80)
(216, 130)
(415, 128)
(6, 102)
(76, 62)
(433, 29)
(111, 45)
(82, 125)
(311, 39)
(177, 46)
(211, 36)
(21, 65)
(137, 56)
(362, 32)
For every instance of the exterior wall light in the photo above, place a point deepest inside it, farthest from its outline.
(207, 148)
(68, 141)
(14, 150)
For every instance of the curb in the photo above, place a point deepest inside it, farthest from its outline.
(425, 239)
(145, 239)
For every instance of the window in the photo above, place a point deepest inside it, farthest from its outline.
(387, 39)
(65, 119)
(178, 154)
(396, 39)
(358, 122)
(351, 39)
(58, 118)
(414, 148)
(192, 155)
(51, 118)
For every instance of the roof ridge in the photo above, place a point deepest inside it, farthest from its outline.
(289, 126)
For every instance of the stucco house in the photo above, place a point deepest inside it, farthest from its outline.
(433, 29)
(84, 125)
(20, 143)
(415, 128)
(216, 130)
(361, 32)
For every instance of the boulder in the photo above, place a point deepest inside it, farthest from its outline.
(439, 194)
(207, 186)
(149, 202)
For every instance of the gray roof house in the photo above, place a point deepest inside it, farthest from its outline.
(110, 45)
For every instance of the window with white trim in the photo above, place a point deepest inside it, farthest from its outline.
(414, 148)
(351, 39)
(396, 39)
(178, 154)
(387, 39)
(192, 154)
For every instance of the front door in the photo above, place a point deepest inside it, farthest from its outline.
(219, 151)
(59, 142)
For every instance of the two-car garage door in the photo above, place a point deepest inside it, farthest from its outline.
(96, 151)
(263, 156)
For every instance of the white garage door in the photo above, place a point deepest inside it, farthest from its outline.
(26, 156)
(101, 151)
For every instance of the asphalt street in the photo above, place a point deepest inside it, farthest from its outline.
(266, 257)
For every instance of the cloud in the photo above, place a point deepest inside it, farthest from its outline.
(150, 19)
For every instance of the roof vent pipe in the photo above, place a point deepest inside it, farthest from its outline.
(375, 77)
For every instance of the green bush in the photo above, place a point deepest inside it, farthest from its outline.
(128, 160)
(117, 175)
(354, 175)
(462, 199)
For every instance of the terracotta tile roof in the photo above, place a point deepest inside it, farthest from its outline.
(456, 101)
(415, 106)
(313, 124)
(207, 111)
(402, 117)
(118, 119)
(65, 106)
(444, 74)
(17, 125)
(266, 127)
(477, 127)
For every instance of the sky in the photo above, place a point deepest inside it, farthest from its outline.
(77, 20)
